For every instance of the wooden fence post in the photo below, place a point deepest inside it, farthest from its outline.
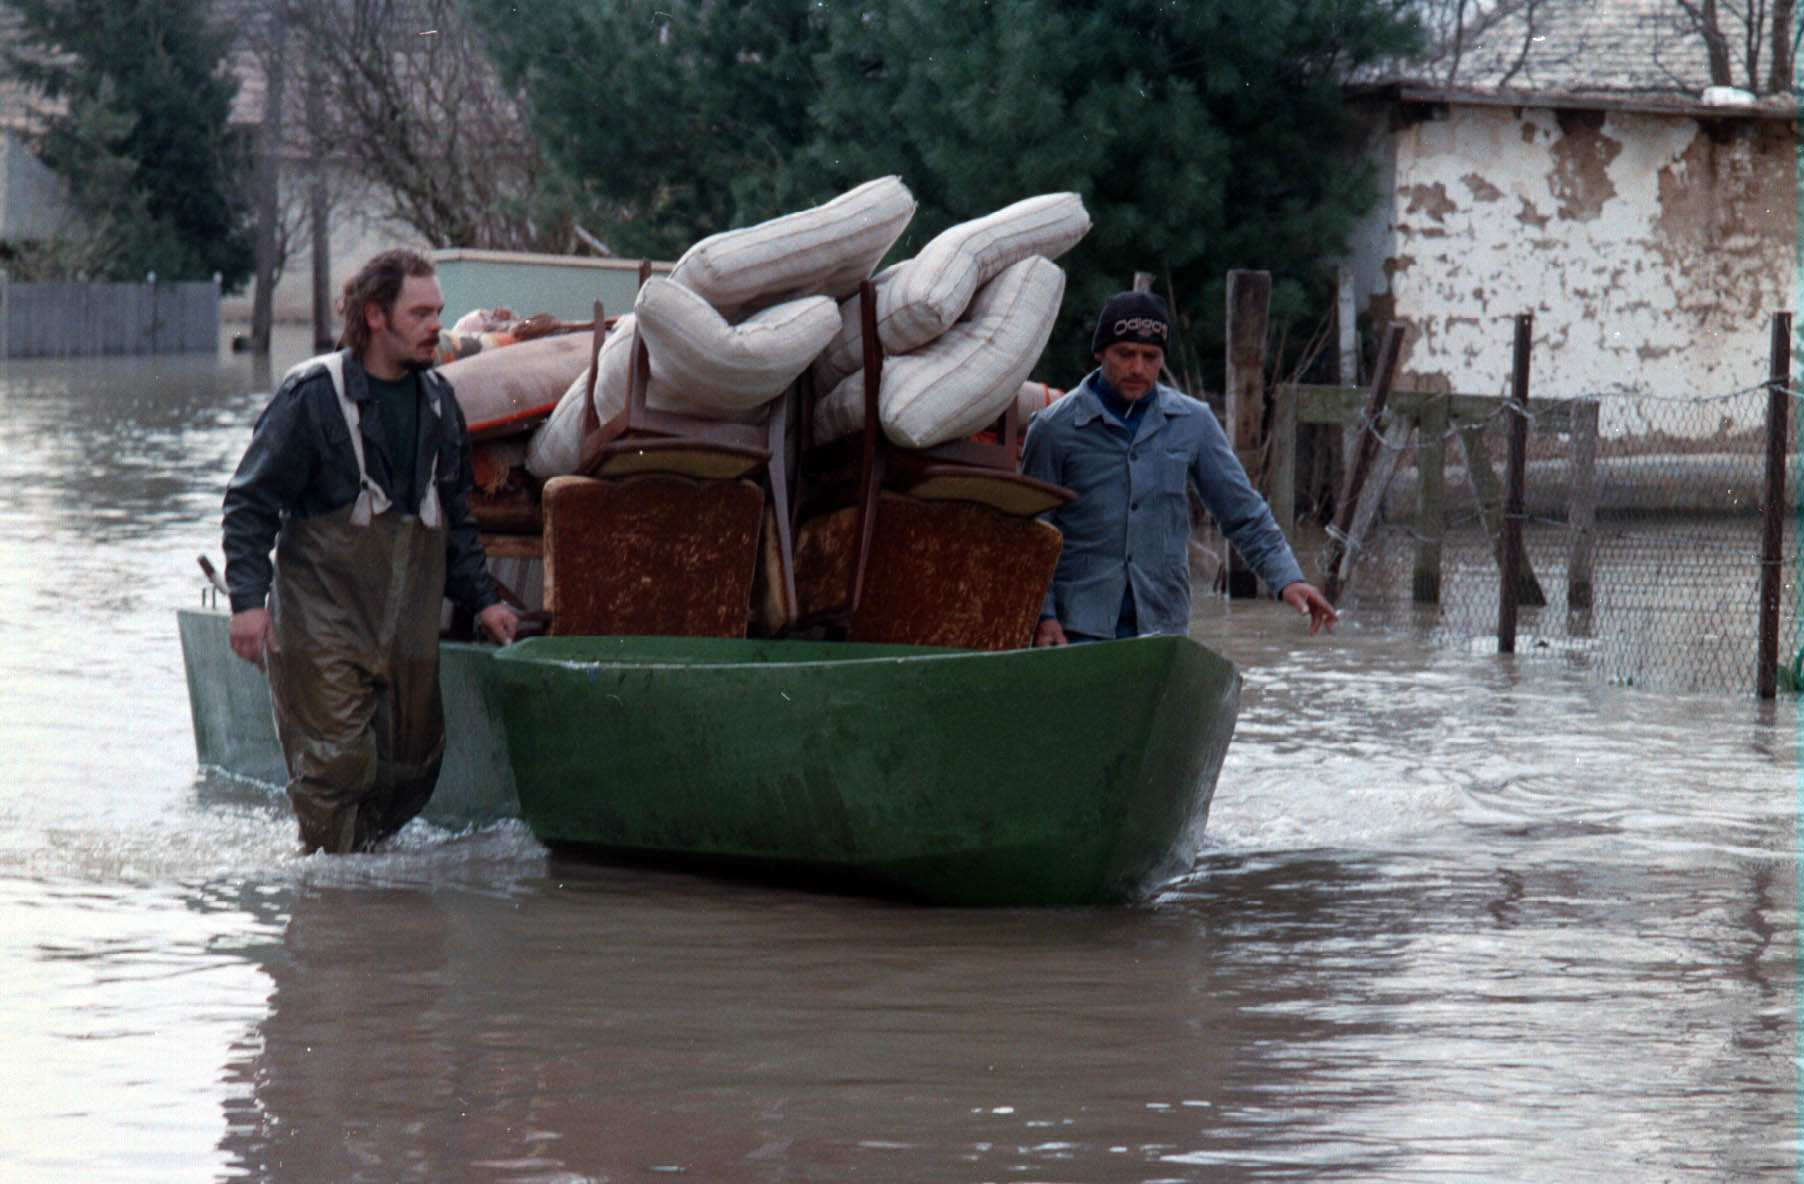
(1347, 321)
(1431, 501)
(1340, 543)
(1582, 512)
(1249, 310)
(1772, 510)
(1281, 491)
(1513, 498)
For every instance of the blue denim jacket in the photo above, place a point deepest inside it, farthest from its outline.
(1131, 519)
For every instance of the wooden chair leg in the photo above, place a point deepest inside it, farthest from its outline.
(777, 473)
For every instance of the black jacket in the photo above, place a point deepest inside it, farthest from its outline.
(300, 463)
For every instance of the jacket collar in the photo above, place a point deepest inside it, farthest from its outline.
(357, 384)
(1165, 405)
(432, 386)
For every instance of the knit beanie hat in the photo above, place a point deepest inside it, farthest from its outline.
(1139, 317)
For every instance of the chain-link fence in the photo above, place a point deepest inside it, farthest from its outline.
(1672, 541)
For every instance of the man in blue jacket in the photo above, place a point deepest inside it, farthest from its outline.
(1133, 448)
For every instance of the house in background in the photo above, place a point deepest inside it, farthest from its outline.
(1583, 170)
(34, 202)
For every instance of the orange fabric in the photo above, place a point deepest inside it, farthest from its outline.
(1039, 398)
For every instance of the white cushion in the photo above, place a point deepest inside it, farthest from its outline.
(967, 377)
(714, 367)
(921, 298)
(845, 353)
(556, 448)
(825, 250)
(495, 384)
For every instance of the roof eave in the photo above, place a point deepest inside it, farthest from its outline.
(1773, 107)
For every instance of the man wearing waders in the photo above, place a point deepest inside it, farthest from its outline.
(358, 474)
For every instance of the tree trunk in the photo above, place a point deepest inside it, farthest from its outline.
(318, 213)
(1718, 45)
(268, 180)
(1783, 11)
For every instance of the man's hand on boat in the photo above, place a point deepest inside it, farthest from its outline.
(499, 622)
(1300, 595)
(1306, 599)
(250, 635)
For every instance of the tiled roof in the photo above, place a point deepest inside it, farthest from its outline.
(1625, 47)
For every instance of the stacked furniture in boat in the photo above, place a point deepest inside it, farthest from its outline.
(775, 442)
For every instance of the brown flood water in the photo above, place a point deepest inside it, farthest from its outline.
(1457, 919)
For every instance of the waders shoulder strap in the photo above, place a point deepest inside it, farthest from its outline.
(371, 499)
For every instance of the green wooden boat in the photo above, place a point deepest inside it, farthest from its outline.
(1070, 776)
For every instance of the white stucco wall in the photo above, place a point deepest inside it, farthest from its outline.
(1651, 249)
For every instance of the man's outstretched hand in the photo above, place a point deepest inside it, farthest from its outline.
(500, 622)
(1306, 599)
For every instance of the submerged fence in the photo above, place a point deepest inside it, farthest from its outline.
(61, 320)
(1638, 538)
(1674, 554)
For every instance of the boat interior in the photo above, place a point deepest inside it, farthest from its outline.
(685, 526)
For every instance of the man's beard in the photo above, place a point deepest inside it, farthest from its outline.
(413, 365)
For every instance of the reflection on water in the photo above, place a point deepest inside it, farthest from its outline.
(1459, 918)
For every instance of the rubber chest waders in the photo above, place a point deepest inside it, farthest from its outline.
(354, 670)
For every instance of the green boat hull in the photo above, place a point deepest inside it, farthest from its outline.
(234, 726)
(1070, 776)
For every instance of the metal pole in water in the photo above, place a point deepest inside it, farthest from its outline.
(1513, 499)
(1772, 509)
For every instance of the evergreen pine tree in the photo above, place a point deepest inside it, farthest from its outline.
(667, 121)
(142, 136)
(1204, 135)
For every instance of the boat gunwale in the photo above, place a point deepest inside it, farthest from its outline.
(928, 654)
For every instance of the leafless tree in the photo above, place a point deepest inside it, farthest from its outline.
(1455, 28)
(1738, 36)
(411, 103)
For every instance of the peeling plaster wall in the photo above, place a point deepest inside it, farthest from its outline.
(1651, 251)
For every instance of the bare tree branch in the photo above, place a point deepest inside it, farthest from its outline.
(413, 105)
(1528, 44)
(1704, 21)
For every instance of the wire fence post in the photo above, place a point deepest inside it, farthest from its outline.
(1772, 508)
(1513, 499)
(1582, 512)
(1340, 542)
(1431, 502)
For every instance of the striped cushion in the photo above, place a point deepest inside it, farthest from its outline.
(825, 250)
(556, 447)
(923, 297)
(965, 378)
(714, 367)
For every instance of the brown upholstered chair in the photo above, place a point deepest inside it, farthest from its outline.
(939, 546)
(650, 553)
(657, 541)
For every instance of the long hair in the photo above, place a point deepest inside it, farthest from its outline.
(377, 282)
